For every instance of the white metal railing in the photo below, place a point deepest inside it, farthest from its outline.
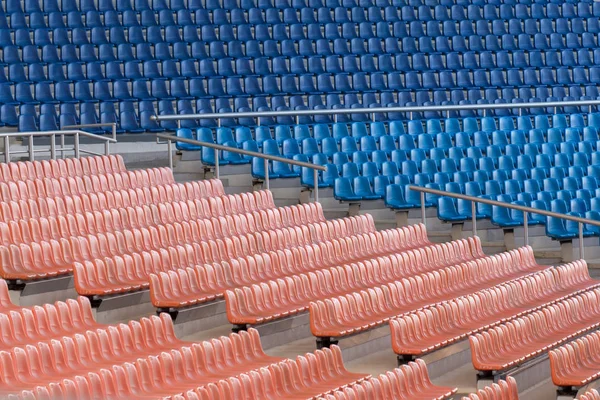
(53, 148)
(266, 157)
(410, 110)
(526, 210)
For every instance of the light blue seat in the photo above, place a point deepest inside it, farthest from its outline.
(363, 188)
(447, 210)
(394, 197)
(343, 190)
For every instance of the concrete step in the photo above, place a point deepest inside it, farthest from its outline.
(491, 248)
(439, 237)
(332, 214)
(548, 256)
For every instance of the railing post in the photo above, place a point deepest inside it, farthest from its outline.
(526, 227)
(76, 145)
(106, 148)
(423, 217)
(267, 174)
(217, 164)
(170, 150)
(316, 184)
(53, 147)
(31, 149)
(6, 149)
(474, 217)
(62, 146)
(581, 253)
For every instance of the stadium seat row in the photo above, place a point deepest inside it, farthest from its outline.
(503, 390)
(47, 207)
(275, 299)
(389, 386)
(122, 360)
(576, 363)
(507, 9)
(425, 331)
(19, 260)
(366, 309)
(201, 283)
(534, 334)
(27, 170)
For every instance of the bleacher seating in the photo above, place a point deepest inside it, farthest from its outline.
(503, 390)
(591, 394)
(276, 299)
(335, 249)
(540, 162)
(363, 310)
(576, 364)
(424, 331)
(410, 381)
(120, 231)
(87, 64)
(535, 333)
(137, 359)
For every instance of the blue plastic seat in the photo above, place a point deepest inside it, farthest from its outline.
(363, 189)
(447, 210)
(343, 190)
(394, 197)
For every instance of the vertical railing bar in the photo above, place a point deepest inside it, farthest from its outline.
(217, 164)
(316, 184)
(53, 147)
(76, 148)
(6, 149)
(581, 253)
(170, 150)
(31, 150)
(526, 227)
(423, 217)
(62, 146)
(474, 217)
(267, 174)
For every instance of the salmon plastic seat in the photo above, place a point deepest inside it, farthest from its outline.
(102, 200)
(427, 330)
(366, 309)
(274, 299)
(332, 250)
(531, 335)
(29, 170)
(576, 363)
(49, 258)
(65, 186)
(591, 394)
(307, 377)
(503, 390)
(407, 382)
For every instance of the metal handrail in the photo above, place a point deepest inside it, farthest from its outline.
(217, 147)
(108, 141)
(580, 221)
(406, 109)
(76, 133)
